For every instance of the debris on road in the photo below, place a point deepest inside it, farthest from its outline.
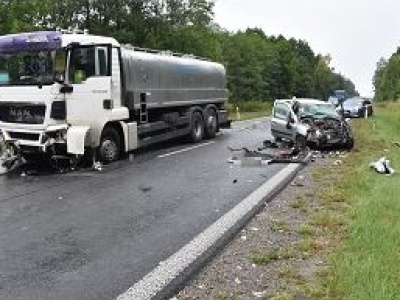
(97, 166)
(264, 156)
(259, 294)
(337, 163)
(145, 189)
(9, 157)
(270, 144)
(382, 166)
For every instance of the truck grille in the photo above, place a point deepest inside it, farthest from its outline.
(24, 136)
(23, 114)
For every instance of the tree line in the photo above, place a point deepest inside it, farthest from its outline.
(259, 67)
(386, 80)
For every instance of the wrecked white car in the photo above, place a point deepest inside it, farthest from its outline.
(312, 122)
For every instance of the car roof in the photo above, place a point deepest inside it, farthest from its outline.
(301, 100)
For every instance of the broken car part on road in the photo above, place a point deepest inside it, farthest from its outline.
(262, 156)
(10, 159)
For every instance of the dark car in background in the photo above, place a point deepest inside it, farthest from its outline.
(357, 107)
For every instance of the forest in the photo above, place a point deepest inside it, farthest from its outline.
(260, 67)
(387, 78)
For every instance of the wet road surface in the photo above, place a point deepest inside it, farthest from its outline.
(91, 235)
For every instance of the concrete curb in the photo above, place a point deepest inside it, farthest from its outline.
(173, 273)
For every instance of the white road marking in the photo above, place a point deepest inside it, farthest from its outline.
(186, 149)
(168, 270)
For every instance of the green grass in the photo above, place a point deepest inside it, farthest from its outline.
(368, 264)
(265, 257)
(307, 230)
(290, 274)
(221, 295)
(279, 225)
(249, 110)
(300, 204)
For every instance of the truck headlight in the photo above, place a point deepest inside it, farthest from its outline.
(55, 136)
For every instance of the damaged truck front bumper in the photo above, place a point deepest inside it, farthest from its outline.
(18, 144)
(35, 141)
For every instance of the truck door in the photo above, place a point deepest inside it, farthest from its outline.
(89, 103)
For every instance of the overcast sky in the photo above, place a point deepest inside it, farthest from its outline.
(355, 32)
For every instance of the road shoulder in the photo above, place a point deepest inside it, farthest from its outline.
(278, 255)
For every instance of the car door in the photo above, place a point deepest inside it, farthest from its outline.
(279, 123)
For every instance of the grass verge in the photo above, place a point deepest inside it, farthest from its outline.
(249, 110)
(368, 263)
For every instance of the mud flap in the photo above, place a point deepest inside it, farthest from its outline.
(76, 137)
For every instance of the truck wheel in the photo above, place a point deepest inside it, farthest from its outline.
(211, 124)
(197, 127)
(110, 145)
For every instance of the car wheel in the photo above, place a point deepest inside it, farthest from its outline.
(349, 140)
(349, 144)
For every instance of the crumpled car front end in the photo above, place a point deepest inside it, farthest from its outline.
(329, 132)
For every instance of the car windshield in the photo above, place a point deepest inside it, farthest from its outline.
(318, 110)
(29, 68)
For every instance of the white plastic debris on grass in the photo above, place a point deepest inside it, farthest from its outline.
(259, 294)
(382, 166)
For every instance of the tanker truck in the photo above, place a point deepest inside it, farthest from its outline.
(67, 93)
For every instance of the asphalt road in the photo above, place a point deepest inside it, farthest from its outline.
(91, 235)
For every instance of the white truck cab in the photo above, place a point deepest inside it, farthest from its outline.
(34, 103)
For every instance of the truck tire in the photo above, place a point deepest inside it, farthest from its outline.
(211, 124)
(197, 127)
(110, 145)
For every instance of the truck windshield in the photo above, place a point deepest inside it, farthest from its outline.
(31, 68)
